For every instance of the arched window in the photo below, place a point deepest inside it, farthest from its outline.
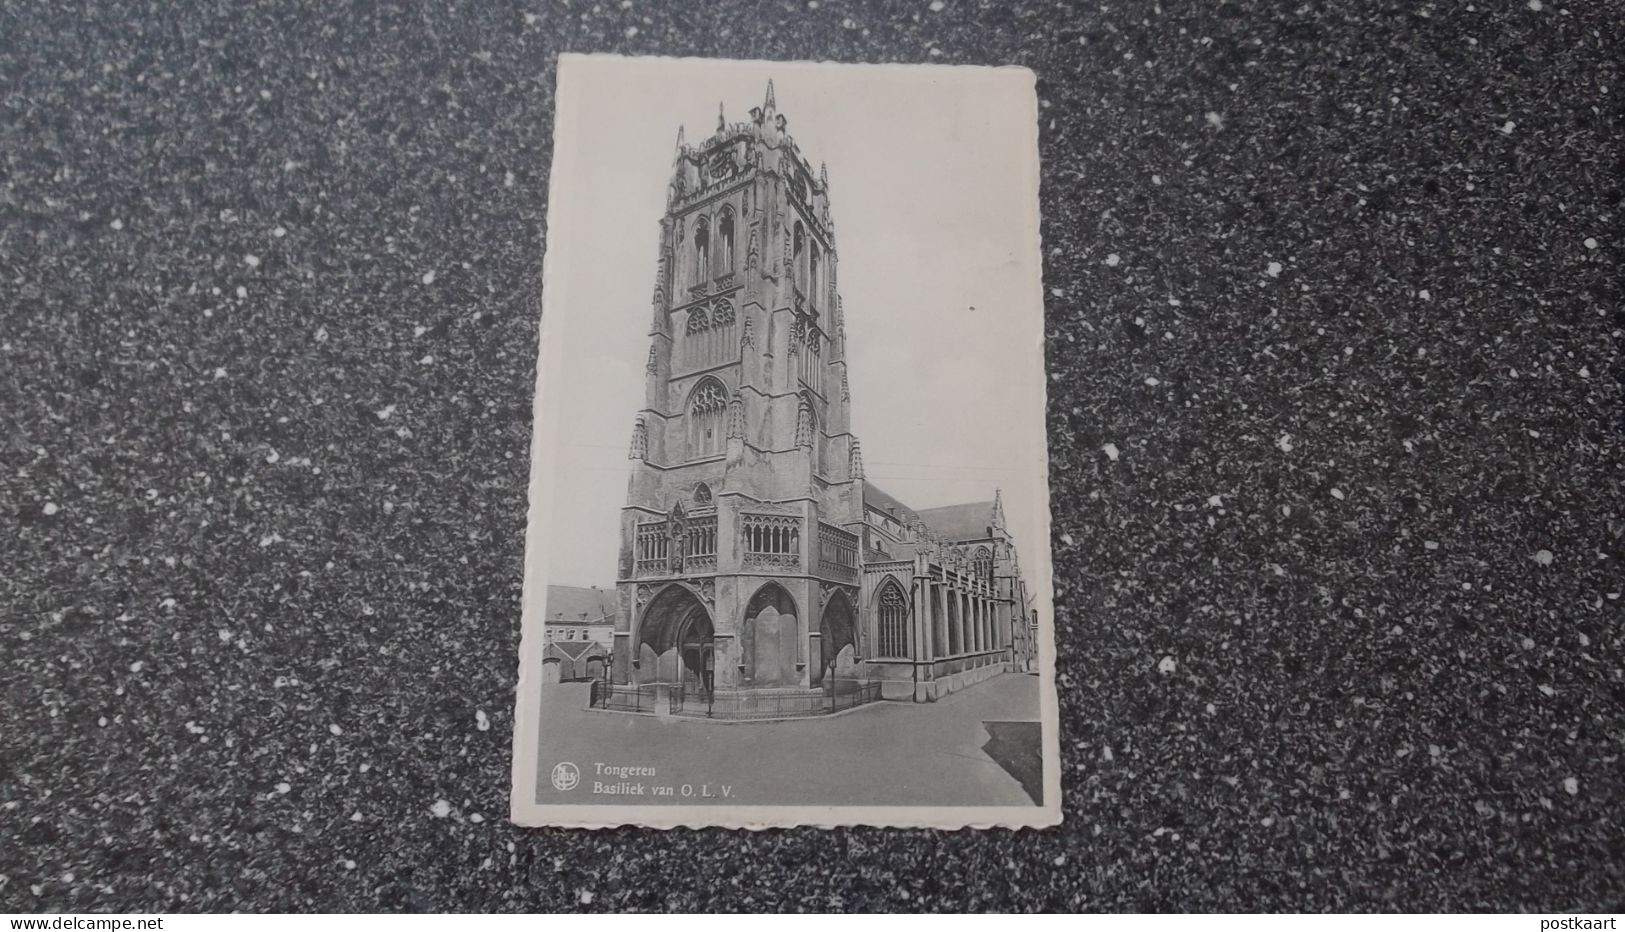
(702, 494)
(983, 563)
(706, 410)
(891, 621)
(817, 438)
(725, 242)
(799, 257)
(702, 250)
(812, 278)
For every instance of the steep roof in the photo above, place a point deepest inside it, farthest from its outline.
(580, 604)
(969, 521)
(876, 497)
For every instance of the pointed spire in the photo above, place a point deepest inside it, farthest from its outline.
(770, 104)
(823, 174)
(857, 459)
(722, 121)
(998, 507)
(680, 144)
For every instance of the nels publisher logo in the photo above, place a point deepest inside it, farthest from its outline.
(566, 776)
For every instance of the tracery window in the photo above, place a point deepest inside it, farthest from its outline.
(706, 410)
(711, 336)
(892, 621)
(983, 564)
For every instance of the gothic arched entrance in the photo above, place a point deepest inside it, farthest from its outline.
(771, 638)
(675, 640)
(837, 639)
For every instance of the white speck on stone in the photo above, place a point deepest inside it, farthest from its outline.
(1425, 295)
(1546, 690)
(428, 277)
(507, 179)
(252, 261)
(1113, 260)
(335, 729)
(1060, 860)
(1067, 539)
(136, 667)
(481, 721)
(273, 456)
(476, 818)
(117, 224)
(349, 865)
(225, 635)
(279, 232)
(220, 372)
(1110, 450)
(1167, 665)
(51, 509)
(384, 412)
(440, 809)
(284, 788)
(1274, 270)
(1106, 753)
(631, 32)
(1536, 5)
(426, 360)
(1152, 381)
(1508, 127)
(1214, 120)
(1571, 786)
(1430, 545)
(1338, 494)
(1284, 443)
(1584, 641)
(1211, 710)
(1267, 821)
(242, 292)
(321, 334)
(586, 895)
(1543, 557)
(1528, 643)
(1215, 501)
(1591, 242)
(937, 5)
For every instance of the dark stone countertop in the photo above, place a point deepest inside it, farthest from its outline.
(1369, 253)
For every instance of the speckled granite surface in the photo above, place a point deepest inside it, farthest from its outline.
(1337, 282)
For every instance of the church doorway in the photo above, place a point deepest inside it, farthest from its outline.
(837, 641)
(675, 641)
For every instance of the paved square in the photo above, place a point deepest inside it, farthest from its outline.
(885, 753)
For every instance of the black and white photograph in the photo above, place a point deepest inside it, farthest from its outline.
(1161, 461)
(788, 554)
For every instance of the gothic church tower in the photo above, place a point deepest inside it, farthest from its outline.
(739, 563)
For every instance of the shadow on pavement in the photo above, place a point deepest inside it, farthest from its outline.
(1017, 747)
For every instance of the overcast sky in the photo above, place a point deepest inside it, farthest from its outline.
(933, 187)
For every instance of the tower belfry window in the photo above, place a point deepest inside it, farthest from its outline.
(725, 242)
(812, 277)
(702, 250)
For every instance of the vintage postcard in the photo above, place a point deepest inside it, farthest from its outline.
(735, 613)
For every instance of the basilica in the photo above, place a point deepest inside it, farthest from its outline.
(759, 570)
